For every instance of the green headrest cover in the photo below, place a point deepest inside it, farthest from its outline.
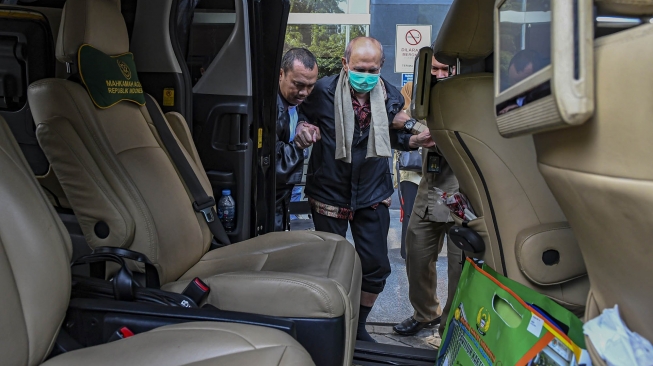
(109, 79)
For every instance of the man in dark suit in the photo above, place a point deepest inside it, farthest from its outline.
(297, 78)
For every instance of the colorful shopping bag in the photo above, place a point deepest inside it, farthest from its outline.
(497, 321)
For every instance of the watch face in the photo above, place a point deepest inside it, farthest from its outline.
(409, 124)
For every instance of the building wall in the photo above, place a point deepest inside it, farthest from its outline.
(386, 14)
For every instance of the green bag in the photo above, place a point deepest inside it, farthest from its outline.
(497, 321)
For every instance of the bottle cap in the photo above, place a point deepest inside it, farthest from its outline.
(226, 192)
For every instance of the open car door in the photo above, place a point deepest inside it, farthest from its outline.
(233, 55)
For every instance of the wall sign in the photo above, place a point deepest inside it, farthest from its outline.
(410, 38)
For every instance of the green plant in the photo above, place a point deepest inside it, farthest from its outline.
(326, 42)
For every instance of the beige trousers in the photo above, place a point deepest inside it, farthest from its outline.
(424, 242)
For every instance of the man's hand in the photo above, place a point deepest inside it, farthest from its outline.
(422, 140)
(306, 134)
(400, 120)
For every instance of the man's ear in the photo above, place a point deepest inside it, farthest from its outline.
(281, 73)
(344, 63)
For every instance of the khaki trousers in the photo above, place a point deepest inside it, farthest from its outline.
(424, 242)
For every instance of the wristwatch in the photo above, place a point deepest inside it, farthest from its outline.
(409, 125)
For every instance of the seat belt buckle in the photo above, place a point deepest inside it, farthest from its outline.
(197, 290)
(121, 333)
(206, 209)
(208, 215)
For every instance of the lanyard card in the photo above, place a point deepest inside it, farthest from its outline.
(433, 163)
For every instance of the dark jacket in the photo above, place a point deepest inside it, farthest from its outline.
(289, 166)
(362, 183)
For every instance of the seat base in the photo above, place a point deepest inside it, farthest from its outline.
(203, 344)
(307, 274)
(93, 322)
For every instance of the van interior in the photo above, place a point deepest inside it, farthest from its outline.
(109, 241)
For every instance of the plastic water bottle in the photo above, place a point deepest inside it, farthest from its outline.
(227, 210)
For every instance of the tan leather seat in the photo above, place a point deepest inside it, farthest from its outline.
(518, 217)
(35, 253)
(601, 173)
(114, 169)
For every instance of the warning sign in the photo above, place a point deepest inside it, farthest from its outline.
(413, 37)
(410, 38)
(168, 97)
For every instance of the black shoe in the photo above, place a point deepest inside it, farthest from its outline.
(411, 326)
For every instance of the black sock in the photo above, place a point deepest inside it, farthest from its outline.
(362, 334)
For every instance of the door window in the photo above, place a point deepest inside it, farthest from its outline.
(211, 24)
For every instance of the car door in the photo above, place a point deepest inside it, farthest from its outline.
(233, 55)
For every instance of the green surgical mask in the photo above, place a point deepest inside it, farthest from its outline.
(363, 82)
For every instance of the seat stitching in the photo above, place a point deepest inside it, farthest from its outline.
(22, 167)
(127, 183)
(20, 300)
(308, 285)
(285, 348)
(266, 251)
(138, 147)
(598, 175)
(157, 137)
(544, 231)
(278, 249)
(511, 172)
(206, 330)
(333, 257)
(196, 329)
(95, 179)
(112, 165)
(238, 353)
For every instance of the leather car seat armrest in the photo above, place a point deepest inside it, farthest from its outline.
(145, 317)
(548, 254)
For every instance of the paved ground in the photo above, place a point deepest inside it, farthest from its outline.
(393, 305)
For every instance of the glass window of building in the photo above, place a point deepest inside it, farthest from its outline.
(325, 27)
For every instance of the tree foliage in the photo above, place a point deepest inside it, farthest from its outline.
(315, 6)
(327, 42)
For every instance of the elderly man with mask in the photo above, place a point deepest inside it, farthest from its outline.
(360, 117)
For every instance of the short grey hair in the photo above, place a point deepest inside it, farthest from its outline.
(350, 46)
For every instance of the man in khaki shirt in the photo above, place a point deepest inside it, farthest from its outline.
(427, 229)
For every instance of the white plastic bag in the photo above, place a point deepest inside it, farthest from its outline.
(617, 344)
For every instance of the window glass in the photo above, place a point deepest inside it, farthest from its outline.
(317, 6)
(524, 38)
(330, 6)
(204, 27)
(358, 7)
(326, 42)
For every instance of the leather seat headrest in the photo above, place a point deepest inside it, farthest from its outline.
(98, 23)
(625, 7)
(467, 32)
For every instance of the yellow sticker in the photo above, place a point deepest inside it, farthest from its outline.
(260, 138)
(168, 97)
